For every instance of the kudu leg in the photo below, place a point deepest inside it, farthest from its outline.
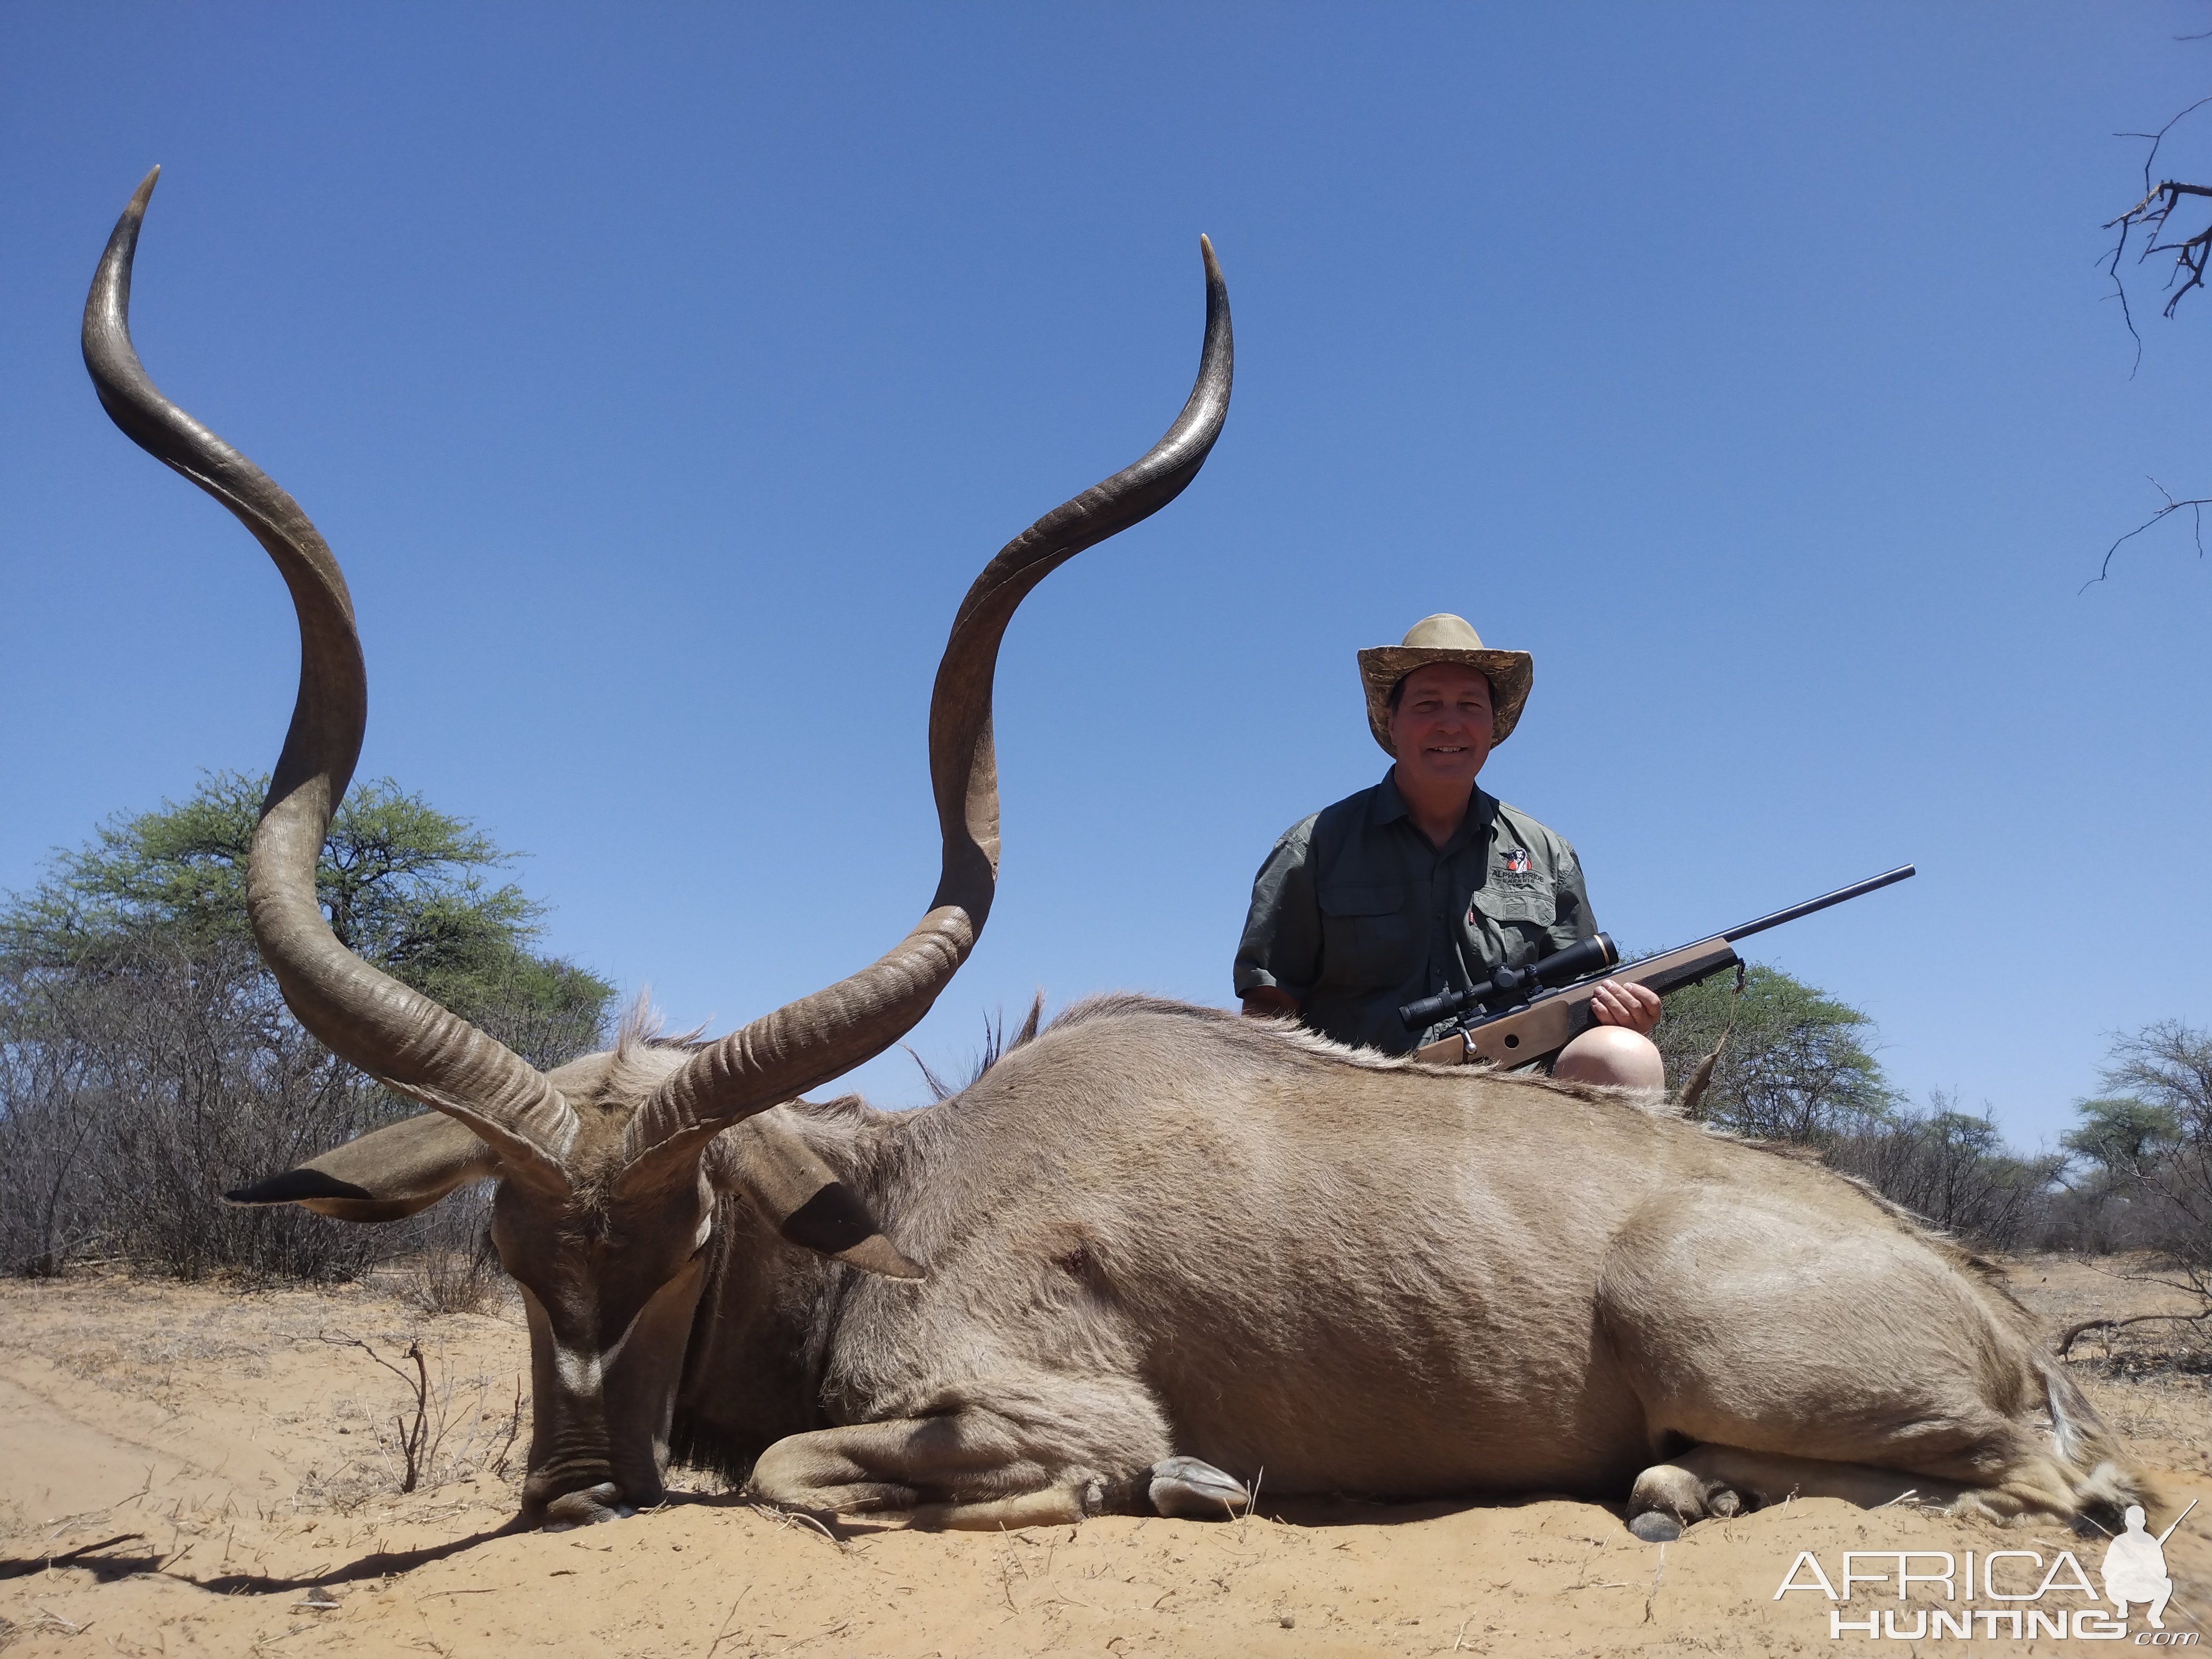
(966, 1469)
(1710, 1481)
(1795, 1366)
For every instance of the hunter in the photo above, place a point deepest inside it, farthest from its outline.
(1424, 883)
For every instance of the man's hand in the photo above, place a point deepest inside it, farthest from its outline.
(1636, 1006)
(1269, 1002)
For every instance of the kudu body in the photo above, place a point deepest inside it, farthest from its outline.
(1152, 1243)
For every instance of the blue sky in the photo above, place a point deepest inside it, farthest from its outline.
(663, 375)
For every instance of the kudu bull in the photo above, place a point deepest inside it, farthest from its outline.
(1149, 1245)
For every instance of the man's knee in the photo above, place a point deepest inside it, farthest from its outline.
(1612, 1055)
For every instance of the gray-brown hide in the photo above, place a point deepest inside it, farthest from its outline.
(1152, 1250)
(1158, 1230)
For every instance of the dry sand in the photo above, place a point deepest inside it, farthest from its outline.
(193, 1470)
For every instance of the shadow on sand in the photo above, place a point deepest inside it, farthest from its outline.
(107, 1568)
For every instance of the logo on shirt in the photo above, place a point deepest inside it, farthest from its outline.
(1516, 862)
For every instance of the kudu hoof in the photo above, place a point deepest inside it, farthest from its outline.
(1184, 1488)
(586, 1508)
(1668, 1497)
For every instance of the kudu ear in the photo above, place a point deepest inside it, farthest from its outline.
(774, 1168)
(385, 1174)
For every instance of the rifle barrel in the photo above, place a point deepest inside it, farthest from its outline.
(1820, 903)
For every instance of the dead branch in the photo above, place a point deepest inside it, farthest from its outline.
(2066, 1342)
(2195, 506)
(2152, 213)
(514, 1428)
(417, 1444)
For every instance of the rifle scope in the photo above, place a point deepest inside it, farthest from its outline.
(1510, 985)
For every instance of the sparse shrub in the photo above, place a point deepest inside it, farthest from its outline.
(440, 1428)
(162, 1078)
(2165, 1071)
(2147, 1146)
(456, 1270)
(1951, 1167)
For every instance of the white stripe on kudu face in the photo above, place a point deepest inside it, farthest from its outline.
(580, 1373)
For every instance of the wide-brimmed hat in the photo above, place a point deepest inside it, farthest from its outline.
(1446, 638)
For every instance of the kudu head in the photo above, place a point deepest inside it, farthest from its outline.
(605, 1195)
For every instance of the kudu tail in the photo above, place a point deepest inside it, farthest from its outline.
(2103, 1480)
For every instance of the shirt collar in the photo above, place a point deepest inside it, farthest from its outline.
(1390, 806)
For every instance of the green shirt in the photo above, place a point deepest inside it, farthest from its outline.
(1355, 914)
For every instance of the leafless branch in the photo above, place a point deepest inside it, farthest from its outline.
(2195, 506)
(2152, 215)
(417, 1445)
(2150, 158)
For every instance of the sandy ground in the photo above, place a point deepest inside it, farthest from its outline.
(195, 1470)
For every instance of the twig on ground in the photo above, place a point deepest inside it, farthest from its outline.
(50, 1617)
(514, 1428)
(727, 1617)
(784, 1517)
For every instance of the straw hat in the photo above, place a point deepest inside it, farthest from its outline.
(1446, 638)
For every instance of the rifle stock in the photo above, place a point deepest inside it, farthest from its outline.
(1547, 1026)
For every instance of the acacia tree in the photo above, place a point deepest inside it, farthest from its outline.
(2106, 1208)
(147, 1062)
(2163, 1073)
(1796, 1065)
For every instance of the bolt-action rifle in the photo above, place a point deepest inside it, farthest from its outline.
(1525, 1014)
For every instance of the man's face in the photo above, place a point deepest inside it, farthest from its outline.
(1441, 727)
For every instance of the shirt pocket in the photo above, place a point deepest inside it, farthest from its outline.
(1366, 942)
(1533, 904)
